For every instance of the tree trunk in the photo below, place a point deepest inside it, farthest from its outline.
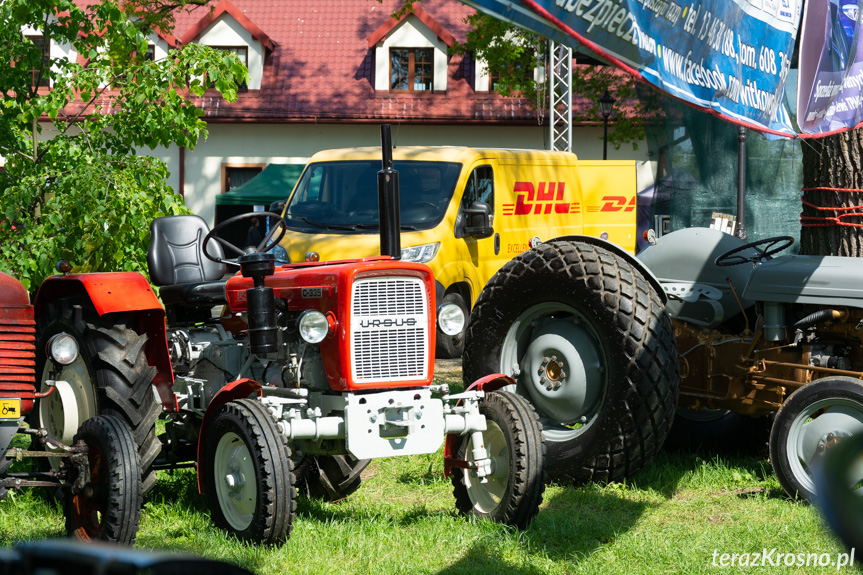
(832, 217)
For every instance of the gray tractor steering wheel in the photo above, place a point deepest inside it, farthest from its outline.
(773, 246)
(270, 241)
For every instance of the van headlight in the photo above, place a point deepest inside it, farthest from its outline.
(420, 254)
(450, 318)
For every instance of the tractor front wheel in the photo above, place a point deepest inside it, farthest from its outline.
(107, 505)
(810, 423)
(512, 493)
(250, 486)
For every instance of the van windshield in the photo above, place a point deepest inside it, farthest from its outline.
(342, 197)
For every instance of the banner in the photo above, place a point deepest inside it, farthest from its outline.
(728, 57)
(830, 73)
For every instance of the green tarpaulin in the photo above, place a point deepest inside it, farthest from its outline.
(274, 183)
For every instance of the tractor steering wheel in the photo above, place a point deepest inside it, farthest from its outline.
(264, 246)
(774, 246)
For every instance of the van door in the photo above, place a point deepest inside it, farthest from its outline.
(475, 224)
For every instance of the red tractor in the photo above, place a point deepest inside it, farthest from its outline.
(311, 370)
(93, 462)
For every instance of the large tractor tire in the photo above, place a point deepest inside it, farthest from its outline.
(107, 507)
(513, 492)
(110, 377)
(590, 344)
(329, 477)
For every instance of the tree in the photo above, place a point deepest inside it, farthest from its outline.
(512, 53)
(832, 212)
(73, 185)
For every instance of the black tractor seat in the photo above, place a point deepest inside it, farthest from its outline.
(191, 284)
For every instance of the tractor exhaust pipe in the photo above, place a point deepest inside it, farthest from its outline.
(388, 199)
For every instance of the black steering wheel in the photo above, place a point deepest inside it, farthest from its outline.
(269, 242)
(773, 246)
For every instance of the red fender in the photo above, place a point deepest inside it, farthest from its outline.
(239, 389)
(117, 292)
(491, 382)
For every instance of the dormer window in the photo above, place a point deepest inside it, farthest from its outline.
(412, 69)
(411, 54)
(228, 28)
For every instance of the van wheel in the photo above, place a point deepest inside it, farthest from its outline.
(589, 343)
(452, 346)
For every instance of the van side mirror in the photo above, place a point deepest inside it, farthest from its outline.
(478, 220)
(278, 207)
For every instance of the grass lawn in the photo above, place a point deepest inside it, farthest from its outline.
(677, 516)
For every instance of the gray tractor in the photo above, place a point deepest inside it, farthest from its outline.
(602, 343)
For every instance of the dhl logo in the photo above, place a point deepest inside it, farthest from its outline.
(614, 204)
(546, 198)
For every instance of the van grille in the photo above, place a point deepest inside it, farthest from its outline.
(389, 330)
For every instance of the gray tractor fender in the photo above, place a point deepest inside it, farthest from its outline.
(617, 250)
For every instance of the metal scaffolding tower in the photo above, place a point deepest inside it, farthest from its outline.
(560, 97)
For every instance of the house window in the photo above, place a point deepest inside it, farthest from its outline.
(521, 73)
(150, 54)
(235, 175)
(411, 69)
(242, 53)
(39, 74)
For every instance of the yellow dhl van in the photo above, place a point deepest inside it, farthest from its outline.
(464, 211)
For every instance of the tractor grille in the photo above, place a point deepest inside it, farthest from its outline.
(389, 329)
(17, 346)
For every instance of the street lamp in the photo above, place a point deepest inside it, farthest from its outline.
(606, 103)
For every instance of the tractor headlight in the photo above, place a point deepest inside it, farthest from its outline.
(62, 348)
(420, 254)
(313, 326)
(450, 318)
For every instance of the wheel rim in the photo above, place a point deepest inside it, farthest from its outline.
(234, 473)
(487, 496)
(816, 430)
(557, 359)
(57, 414)
(88, 504)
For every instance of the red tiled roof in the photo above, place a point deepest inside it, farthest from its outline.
(227, 7)
(321, 66)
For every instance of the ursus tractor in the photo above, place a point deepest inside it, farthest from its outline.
(310, 370)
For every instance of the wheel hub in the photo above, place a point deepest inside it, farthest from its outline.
(830, 440)
(235, 481)
(551, 373)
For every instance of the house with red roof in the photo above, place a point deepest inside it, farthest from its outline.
(328, 74)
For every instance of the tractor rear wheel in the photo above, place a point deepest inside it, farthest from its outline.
(589, 343)
(111, 376)
(329, 477)
(107, 507)
(513, 492)
(250, 484)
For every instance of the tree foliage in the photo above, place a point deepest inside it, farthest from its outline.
(511, 53)
(74, 186)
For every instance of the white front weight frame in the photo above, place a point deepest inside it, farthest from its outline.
(384, 423)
